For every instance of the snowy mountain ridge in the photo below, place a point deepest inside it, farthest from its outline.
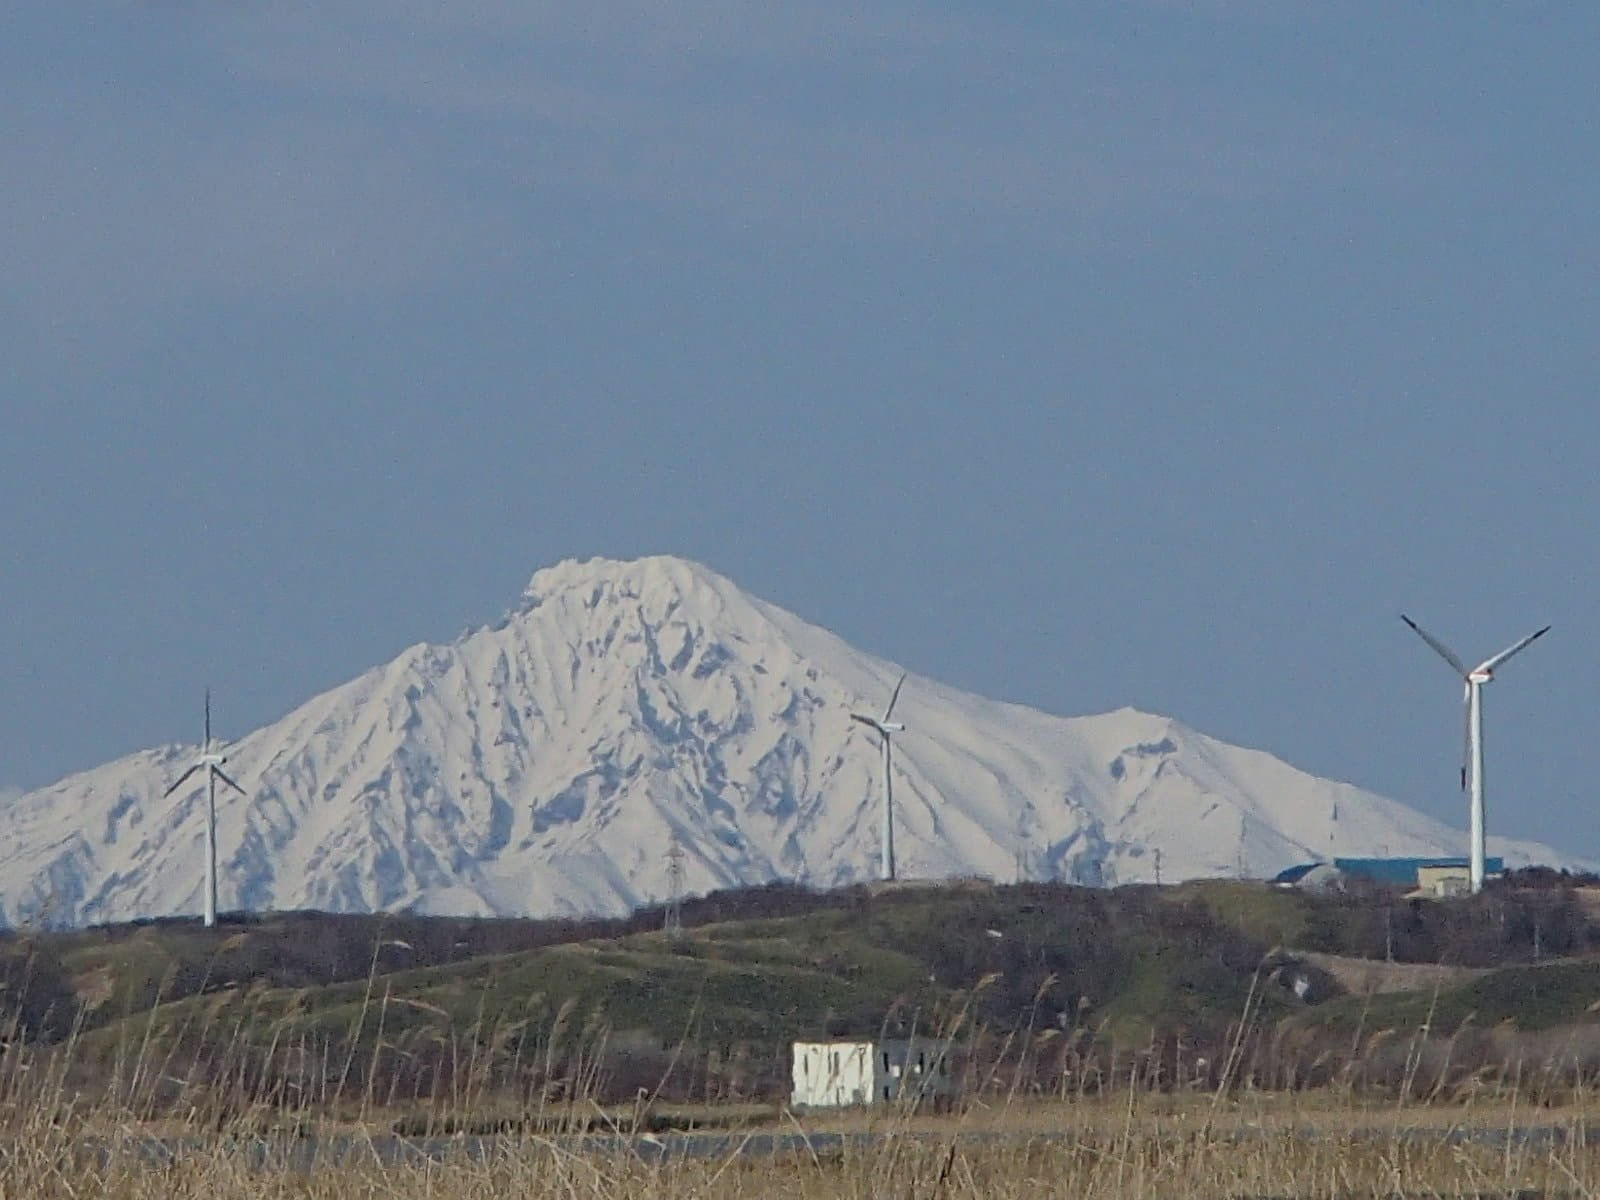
(545, 764)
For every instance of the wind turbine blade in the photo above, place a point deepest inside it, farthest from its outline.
(223, 775)
(889, 712)
(870, 721)
(180, 781)
(1439, 647)
(1466, 735)
(1492, 663)
(207, 744)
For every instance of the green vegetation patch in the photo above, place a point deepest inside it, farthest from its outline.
(1274, 916)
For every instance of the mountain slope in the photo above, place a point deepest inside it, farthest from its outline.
(545, 764)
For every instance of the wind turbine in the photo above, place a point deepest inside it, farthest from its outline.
(886, 729)
(1472, 768)
(210, 762)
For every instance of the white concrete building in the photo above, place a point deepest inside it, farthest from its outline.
(834, 1073)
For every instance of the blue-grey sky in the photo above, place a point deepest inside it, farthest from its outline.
(1142, 353)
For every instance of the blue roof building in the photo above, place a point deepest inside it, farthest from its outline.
(1402, 872)
(1394, 872)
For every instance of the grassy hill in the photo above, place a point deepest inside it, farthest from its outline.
(739, 984)
(1064, 979)
(839, 970)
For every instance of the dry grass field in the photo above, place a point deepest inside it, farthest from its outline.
(1372, 977)
(210, 1142)
(1142, 1159)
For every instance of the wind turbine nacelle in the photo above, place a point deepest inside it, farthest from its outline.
(891, 727)
(212, 760)
(1480, 676)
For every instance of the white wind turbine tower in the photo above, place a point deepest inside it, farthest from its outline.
(886, 729)
(1472, 768)
(210, 762)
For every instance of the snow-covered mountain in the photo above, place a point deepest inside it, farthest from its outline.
(546, 763)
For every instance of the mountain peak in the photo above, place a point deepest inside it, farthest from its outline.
(650, 577)
(547, 763)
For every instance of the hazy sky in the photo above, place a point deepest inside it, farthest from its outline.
(1143, 353)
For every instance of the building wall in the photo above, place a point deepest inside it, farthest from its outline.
(1444, 880)
(835, 1074)
(832, 1074)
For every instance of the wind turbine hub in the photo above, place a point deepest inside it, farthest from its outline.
(1481, 676)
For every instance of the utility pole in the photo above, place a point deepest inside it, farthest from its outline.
(674, 923)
